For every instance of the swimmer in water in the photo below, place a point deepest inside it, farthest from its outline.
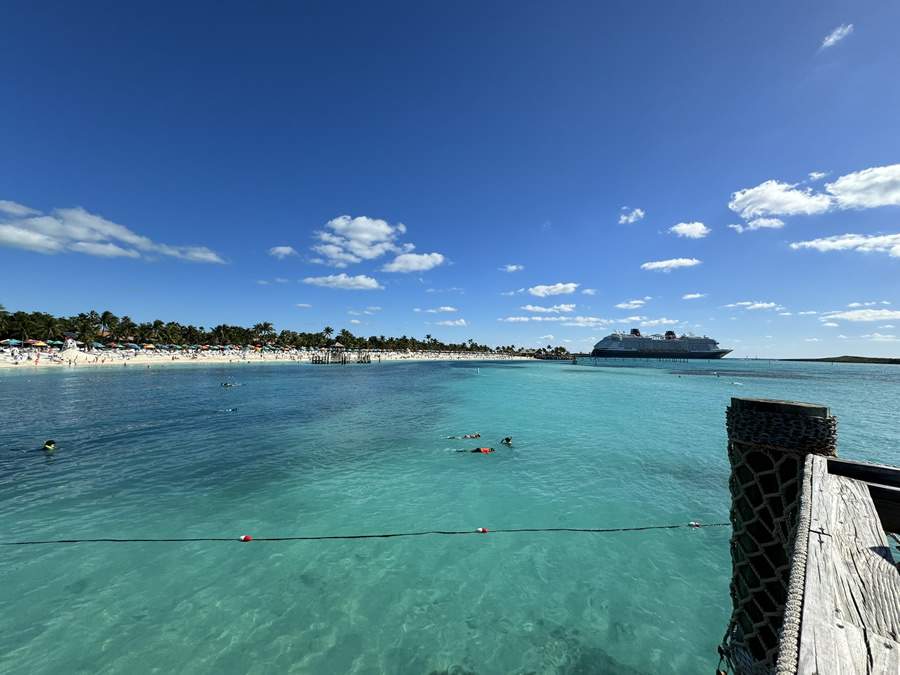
(230, 410)
(49, 446)
(507, 441)
(483, 451)
(228, 384)
(475, 435)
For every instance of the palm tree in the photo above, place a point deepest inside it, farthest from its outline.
(327, 332)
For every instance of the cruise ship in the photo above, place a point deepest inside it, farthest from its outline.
(669, 346)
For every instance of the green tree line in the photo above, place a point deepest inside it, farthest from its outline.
(106, 327)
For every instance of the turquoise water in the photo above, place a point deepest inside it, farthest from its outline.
(334, 450)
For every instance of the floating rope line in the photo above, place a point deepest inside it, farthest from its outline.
(694, 525)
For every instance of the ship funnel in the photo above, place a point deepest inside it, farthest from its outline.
(636, 332)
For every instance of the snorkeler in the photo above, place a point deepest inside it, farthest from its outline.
(475, 435)
(49, 446)
(482, 451)
(228, 384)
(507, 441)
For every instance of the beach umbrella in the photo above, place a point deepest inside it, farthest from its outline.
(132, 345)
(38, 343)
(55, 343)
(97, 345)
(12, 342)
(149, 346)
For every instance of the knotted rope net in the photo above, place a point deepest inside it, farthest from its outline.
(767, 447)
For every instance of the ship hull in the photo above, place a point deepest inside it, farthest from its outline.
(633, 354)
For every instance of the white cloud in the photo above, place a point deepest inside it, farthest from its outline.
(887, 326)
(546, 337)
(831, 324)
(372, 309)
(347, 240)
(542, 291)
(15, 209)
(695, 230)
(360, 282)
(775, 198)
(589, 291)
(812, 340)
(280, 280)
(452, 322)
(554, 309)
(785, 314)
(79, 231)
(414, 262)
(837, 35)
(865, 243)
(282, 252)
(634, 304)
(671, 264)
(658, 322)
(869, 188)
(515, 292)
(807, 313)
(865, 315)
(512, 268)
(817, 175)
(693, 296)
(262, 282)
(880, 337)
(870, 303)
(355, 322)
(629, 217)
(756, 304)
(437, 310)
(759, 224)
(303, 305)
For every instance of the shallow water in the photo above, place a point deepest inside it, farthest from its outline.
(334, 450)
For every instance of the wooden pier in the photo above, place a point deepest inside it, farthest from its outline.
(815, 587)
(340, 357)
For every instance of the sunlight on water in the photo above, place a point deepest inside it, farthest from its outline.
(313, 450)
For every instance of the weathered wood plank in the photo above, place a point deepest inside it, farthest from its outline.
(871, 473)
(851, 604)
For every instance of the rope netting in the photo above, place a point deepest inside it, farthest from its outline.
(767, 450)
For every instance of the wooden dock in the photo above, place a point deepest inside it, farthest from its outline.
(815, 587)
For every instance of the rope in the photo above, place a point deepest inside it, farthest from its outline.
(384, 535)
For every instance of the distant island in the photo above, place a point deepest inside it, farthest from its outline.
(852, 359)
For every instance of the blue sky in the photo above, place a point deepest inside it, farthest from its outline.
(163, 161)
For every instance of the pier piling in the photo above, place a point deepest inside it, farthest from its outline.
(768, 442)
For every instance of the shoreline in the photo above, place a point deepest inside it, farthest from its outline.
(73, 359)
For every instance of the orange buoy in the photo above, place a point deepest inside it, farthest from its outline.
(246, 537)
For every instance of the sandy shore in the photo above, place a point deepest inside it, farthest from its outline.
(73, 358)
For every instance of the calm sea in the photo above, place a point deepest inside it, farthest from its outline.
(308, 450)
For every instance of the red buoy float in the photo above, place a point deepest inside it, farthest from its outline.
(246, 537)
(482, 530)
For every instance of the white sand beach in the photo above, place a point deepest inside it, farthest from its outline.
(72, 358)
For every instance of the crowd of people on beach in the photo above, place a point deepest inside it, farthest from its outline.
(71, 355)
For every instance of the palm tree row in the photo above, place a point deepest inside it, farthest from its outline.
(105, 327)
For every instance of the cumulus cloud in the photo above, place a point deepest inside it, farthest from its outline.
(629, 217)
(589, 291)
(869, 188)
(693, 296)
(79, 231)
(670, 264)
(554, 309)
(437, 310)
(452, 322)
(342, 281)
(414, 262)
(837, 35)
(870, 303)
(759, 224)
(542, 291)
(634, 304)
(15, 209)
(816, 175)
(303, 305)
(695, 230)
(755, 304)
(546, 337)
(355, 322)
(649, 323)
(880, 337)
(865, 315)
(346, 240)
(776, 198)
(831, 324)
(282, 252)
(864, 243)
(512, 268)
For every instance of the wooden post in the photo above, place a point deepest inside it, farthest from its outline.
(768, 442)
